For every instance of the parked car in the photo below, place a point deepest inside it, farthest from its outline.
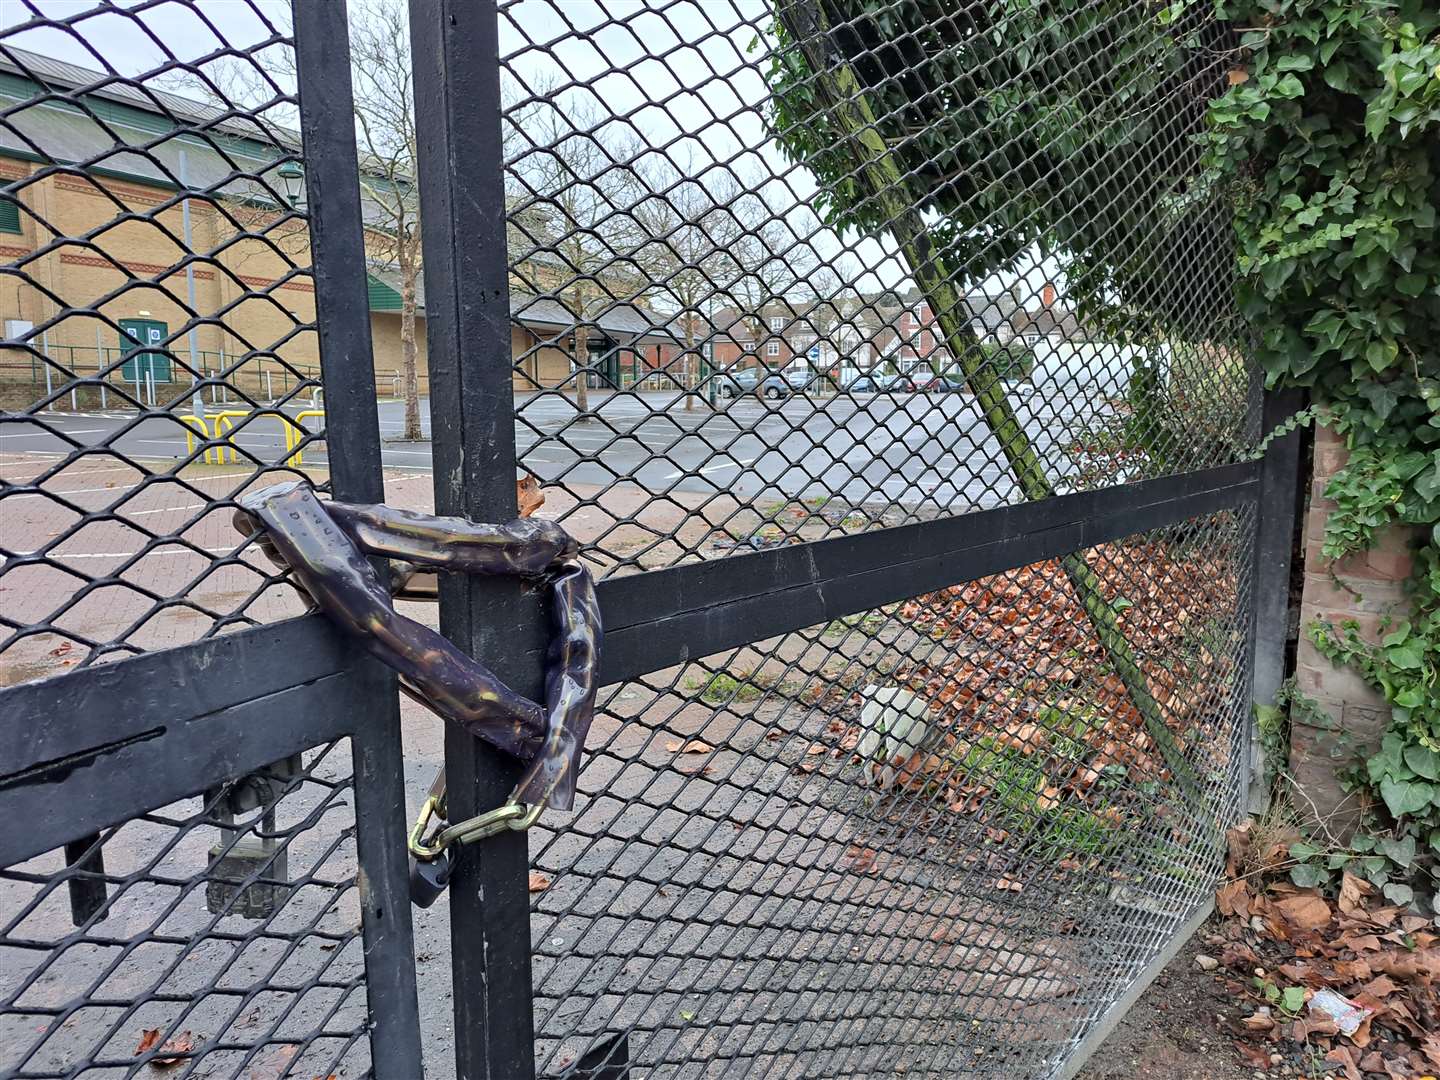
(862, 384)
(897, 384)
(801, 380)
(749, 381)
(942, 384)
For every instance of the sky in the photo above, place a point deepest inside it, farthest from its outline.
(687, 76)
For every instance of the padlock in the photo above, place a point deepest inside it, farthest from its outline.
(249, 876)
(428, 878)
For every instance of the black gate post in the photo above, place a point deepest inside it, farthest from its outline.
(352, 434)
(1277, 515)
(457, 94)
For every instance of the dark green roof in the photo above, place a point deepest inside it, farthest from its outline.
(382, 296)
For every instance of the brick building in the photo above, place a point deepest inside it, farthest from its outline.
(109, 216)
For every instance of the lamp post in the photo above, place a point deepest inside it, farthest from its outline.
(292, 183)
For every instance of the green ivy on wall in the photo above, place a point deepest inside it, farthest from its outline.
(1328, 146)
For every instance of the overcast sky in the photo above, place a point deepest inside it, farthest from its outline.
(689, 78)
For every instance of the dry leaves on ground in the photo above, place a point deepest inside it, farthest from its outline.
(1284, 945)
(172, 1053)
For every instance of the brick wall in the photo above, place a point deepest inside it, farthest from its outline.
(1364, 587)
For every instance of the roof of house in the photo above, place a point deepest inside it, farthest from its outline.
(98, 122)
(1047, 322)
(623, 322)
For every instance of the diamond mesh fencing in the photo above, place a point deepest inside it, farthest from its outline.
(783, 274)
(160, 350)
(218, 936)
(931, 838)
(160, 358)
(737, 323)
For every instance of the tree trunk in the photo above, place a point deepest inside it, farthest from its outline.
(582, 350)
(690, 358)
(409, 353)
(582, 362)
(846, 103)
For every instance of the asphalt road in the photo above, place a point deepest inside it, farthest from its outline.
(866, 449)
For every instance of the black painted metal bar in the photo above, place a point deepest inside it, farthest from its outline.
(670, 616)
(79, 796)
(337, 246)
(352, 432)
(1281, 498)
(455, 45)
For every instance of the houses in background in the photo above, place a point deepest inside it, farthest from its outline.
(852, 335)
(217, 284)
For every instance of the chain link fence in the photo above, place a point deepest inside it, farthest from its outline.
(881, 356)
(160, 359)
(885, 262)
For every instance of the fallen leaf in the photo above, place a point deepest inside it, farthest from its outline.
(861, 859)
(170, 1054)
(539, 882)
(692, 746)
(1307, 911)
(1379, 987)
(1257, 1057)
(1010, 885)
(1352, 891)
(817, 748)
(1345, 1057)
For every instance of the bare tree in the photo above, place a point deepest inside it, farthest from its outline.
(689, 231)
(771, 258)
(386, 126)
(386, 132)
(572, 178)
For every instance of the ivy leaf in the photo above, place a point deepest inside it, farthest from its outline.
(1412, 284)
(1398, 893)
(1423, 762)
(1405, 796)
(1401, 852)
(1293, 999)
(1308, 875)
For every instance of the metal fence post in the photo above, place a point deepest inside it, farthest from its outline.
(1277, 517)
(455, 45)
(352, 429)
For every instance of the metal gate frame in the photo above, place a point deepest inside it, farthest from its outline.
(199, 715)
(667, 616)
(71, 745)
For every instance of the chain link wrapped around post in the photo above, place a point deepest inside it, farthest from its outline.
(327, 546)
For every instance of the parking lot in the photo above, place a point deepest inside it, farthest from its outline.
(863, 449)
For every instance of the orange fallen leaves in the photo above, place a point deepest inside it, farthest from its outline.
(172, 1053)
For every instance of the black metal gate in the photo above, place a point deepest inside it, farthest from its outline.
(1014, 516)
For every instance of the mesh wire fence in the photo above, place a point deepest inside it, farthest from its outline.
(160, 344)
(218, 936)
(736, 323)
(762, 880)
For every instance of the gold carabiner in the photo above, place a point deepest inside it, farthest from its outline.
(512, 815)
(418, 847)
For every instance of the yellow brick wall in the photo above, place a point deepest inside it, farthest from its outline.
(247, 290)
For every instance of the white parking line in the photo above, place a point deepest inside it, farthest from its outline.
(738, 464)
(54, 433)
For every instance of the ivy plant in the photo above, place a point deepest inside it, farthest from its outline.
(1327, 144)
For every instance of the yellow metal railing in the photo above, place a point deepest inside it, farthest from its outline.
(295, 432)
(216, 428)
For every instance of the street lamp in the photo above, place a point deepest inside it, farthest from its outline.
(292, 182)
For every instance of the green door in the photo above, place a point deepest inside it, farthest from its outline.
(142, 364)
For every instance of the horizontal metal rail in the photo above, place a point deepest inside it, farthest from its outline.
(192, 716)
